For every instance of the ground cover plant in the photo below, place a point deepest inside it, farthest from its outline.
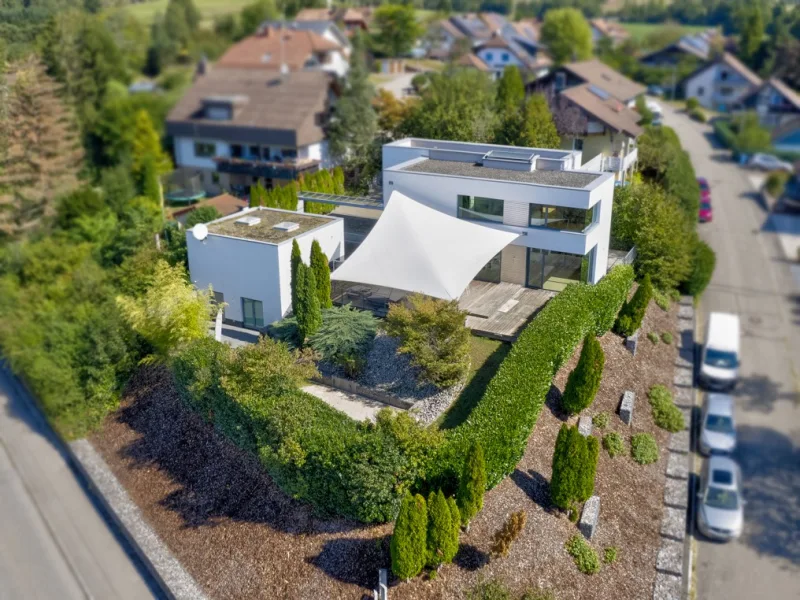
(665, 414)
(583, 554)
(613, 444)
(644, 449)
(600, 420)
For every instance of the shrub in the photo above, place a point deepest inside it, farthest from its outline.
(610, 555)
(584, 380)
(644, 449)
(666, 337)
(703, 262)
(502, 421)
(574, 467)
(725, 133)
(322, 274)
(665, 414)
(345, 336)
(600, 420)
(750, 136)
(775, 183)
(662, 299)
(697, 115)
(472, 484)
(455, 530)
(614, 444)
(440, 531)
(505, 536)
(538, 594)
(494, 589)
(408, 544)
(202, 214)
(653, 337)
(432, 331)
(692, 104)
(584, 555)
(631, 316)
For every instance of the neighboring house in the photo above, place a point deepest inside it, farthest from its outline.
(592, 105)
(561, 212)
(235, 127)
(775, 103)
(323, 27)
(697, 46)
(246, 259)
(499, 52)
(721, 84)
(603, 28)
(473, 62)
(786, 137)
(286, 48)
(352, 18)
(225, 204)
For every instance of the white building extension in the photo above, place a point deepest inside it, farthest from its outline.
(246, 259)
(561, 212)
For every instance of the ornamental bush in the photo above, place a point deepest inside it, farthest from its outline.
(614, 444)
(600, 420)
(441, 547)
(631, 316)
(345, 336)
(584, 380)
(665, 414)
(703, 262)
(644, 449)
(472, 484)
(409, 538)
(584, 555)
(574, 467)
(691, 104)
(510, 531)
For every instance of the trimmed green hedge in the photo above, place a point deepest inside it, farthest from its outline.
(703, 263)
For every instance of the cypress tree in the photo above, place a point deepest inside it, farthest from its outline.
(559, 488)
(409, 539)
(455, 529)
(631, 315)
(472, 484)
(295, 261)
(338, 181)
(292, 201)
(308, 313)
(322, 275)
(440, 527)
(327, 181)
(584, 380)
(588, 467)
(574, 467)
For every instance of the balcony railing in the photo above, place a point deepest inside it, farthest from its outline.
(616, 164)
(287, 169)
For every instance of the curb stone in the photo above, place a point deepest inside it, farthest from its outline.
(668, 587)
(670, 557)
(175, 577)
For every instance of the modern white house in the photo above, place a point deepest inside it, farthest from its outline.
(246, 259)
(560, 212)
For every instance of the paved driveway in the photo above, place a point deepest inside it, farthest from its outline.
(754, 280)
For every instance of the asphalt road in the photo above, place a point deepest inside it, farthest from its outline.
(755, 281)
(54, 542)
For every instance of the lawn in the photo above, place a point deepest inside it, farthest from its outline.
(146, 11)
(486, 356)
(640, 31)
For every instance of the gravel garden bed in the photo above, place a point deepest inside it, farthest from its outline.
(240, 536)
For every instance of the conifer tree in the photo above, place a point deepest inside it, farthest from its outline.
(308, 312)
(588, 467)
(409, 539)
(338, 181)
(455, 530)
(146, 145)
(472, 484)
(295, 262)
(561, 480)
(574, 467)
(322, 275)
(584, 380)
(149, 181)
(440, 529)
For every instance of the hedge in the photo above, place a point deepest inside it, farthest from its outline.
(502, 420)
(703, 263)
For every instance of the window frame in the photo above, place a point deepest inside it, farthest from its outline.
(255, 322)
(471, 198)
(201, 148)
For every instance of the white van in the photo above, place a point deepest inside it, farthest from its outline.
(719, 367)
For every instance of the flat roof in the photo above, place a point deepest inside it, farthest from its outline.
(263, 231)
(568, 179)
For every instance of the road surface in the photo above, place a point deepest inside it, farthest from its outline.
(53, 541)
(755, 281)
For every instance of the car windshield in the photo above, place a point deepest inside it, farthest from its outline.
(703, 186)
(719, 424)
(705, 205)
(720, 359)
(717, 497)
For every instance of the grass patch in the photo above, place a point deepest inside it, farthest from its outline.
(610, 555)
(639, 31)
(585, 557)
(485, 358)
(666, 337)
(614, 444)
(653, 337)
(209, 9)
(644, 449)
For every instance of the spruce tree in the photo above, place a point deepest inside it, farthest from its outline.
(295, 262)
(472, 484)
(584, 380)
(455, 529)
(440, 527)
(322, 275)
(409, 539)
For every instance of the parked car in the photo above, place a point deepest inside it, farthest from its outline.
(769, 162)
(719, 365)
(705, 213)
(717, 427)
(655, 108)
(790, 200)
(720, 506)
(655, 90)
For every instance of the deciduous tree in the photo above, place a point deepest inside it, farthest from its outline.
(510, 90)
(567, 35)
(396, 29)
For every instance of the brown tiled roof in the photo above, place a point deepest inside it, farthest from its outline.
(610, 29)
(347, 15)
(496, 41)
(738, 66)
(314, 14)
(287, 107)
(610, 111)
(224, 203)
(471, 60)
(263, 51)
(600, 74)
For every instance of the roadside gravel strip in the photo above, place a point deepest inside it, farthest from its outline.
(180, 583)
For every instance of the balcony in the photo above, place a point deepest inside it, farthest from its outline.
(617, 164)
(287, 169)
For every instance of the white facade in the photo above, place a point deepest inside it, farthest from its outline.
(718, 87)
(442, 191)
(499, 58)
(241, 268)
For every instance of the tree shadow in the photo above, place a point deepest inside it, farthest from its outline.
(535, 486)
(553, 403)
(474, 390)
(214, 479)
(470, 558)
(714, 141)
(770, 463)
(760, 393)
(370, 555)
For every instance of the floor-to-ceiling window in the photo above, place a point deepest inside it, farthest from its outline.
(476, 208)
(551, 270)
(562, 218)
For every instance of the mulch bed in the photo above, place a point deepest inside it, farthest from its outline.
(240, 536)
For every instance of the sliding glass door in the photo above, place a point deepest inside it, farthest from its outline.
(551, 270)
(253, 313)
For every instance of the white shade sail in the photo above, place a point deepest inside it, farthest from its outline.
(419, 249)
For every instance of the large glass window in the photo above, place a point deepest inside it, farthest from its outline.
(253, 313)
(480, 209)
(552, 270)
(559, 217)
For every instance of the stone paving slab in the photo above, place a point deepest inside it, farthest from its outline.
(686, 411)
(673, 523)
(685, 312)
(670, 557)
(684, 396)
(676, 492)
(684, 377)
(677, 466)
(680, 442)
(668, 587)
(685, 358)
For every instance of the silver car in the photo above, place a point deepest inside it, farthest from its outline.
(768, 162)
(720, 506)
(717, 429)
